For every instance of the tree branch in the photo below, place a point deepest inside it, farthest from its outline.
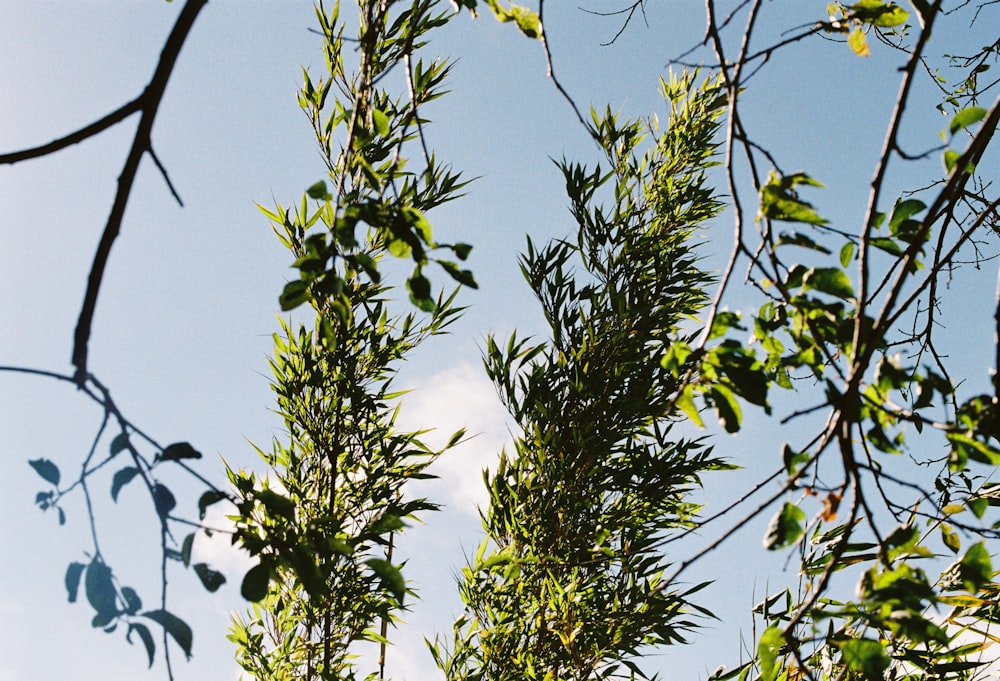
(150, 104)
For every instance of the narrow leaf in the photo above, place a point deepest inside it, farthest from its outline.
(73, 574)
(147, 638)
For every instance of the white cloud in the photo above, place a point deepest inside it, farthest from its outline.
(459, 397)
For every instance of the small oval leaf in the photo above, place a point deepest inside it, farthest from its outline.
(179, 451)
(163, 499)
(256, 583)
(48, 470)
(122, 478)
(210, 579)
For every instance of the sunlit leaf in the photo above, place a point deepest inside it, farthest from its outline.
(786, 527)
(830, 280)
(966, 117)
(859, 43)
(865, 656)
(768, 648)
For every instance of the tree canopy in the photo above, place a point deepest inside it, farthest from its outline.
(833, 328)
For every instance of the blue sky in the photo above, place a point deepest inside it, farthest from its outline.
(182, 331)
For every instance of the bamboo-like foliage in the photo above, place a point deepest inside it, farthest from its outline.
(569, 583)
(322, 521)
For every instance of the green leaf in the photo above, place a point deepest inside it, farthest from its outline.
(392, 578)
(792, 459)
(119, 443)
(147, 638)
(420, 292)
(73, 574)
(975, 569)
(950, 538)
(847, 254)
(786, 527)
(966, 117)
(770, 644)
(163, 500)
(727, 407)
(100, 589)
(381, 122)
(904, 210)
(132, 601)
(779, 201)
(294, 294)
(179, 451)
(210, 579)
(186, 547)
(858, 43)
(797, 239)
(527, 21)
(318, 191)
(462, 251)
(830, 280)
(122, 478)
(48, 470)
(686, 404)
(256, 583)
(175, 626)
(463, 277)
(866, 657)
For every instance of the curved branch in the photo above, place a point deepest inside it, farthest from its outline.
(86, 132)
(150, 104)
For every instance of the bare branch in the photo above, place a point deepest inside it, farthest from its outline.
(140, 145)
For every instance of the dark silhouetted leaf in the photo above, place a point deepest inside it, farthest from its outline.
(163, 499)
(119, 444)
(147, 638)
(132, 601)
(175, 626)
(48, 470)
(179, 451)
(211, 579)
(73, 574)
(186, 546)
(256, 582)
(122, 478)
(207, 499)
(100, 590)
